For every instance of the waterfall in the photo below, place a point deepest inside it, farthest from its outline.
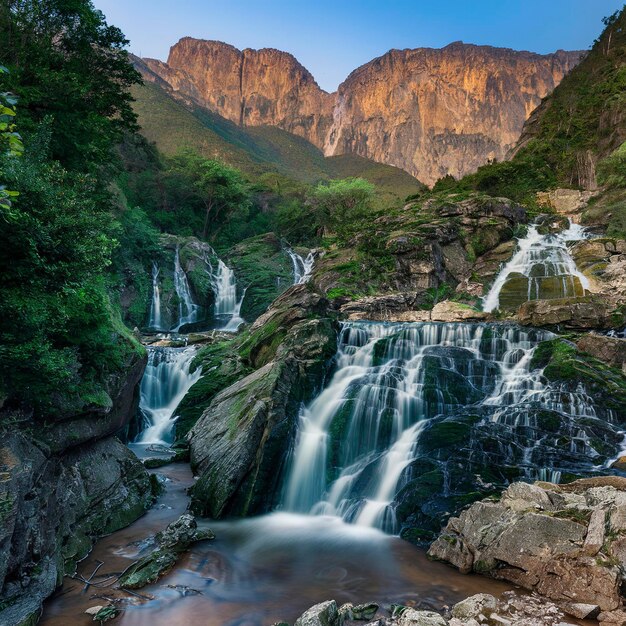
(188, 310)
(155, 307)
(541, 268)
(226, 303)
(302, 268)
(392, 383)
(164, 384)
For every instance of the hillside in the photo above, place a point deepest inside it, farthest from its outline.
(584, 119)
(173, 124)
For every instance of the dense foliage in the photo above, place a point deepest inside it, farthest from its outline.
(59, 337)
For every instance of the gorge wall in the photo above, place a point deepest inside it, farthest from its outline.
(430, 112)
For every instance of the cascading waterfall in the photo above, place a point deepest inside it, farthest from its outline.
(155, 306)
(302, 268)
(188, 310)
(357, 440)
(165, 382)
(541, 268)
(227, 305)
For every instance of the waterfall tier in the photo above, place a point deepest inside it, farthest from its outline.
(155, 306)
(302, 267)
(437, 400)
(542, 268)
(164, 384)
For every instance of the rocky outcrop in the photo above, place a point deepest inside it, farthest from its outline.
(52, 506)
(611, 350)
(64, 482)
(563, 541)
(400, 308)
(430, 112)
(570, 202)
(581, 313)
(238, 445)
(422, 254)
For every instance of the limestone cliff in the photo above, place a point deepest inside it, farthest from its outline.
(431, 112)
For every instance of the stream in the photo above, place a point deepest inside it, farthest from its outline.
(261, 570)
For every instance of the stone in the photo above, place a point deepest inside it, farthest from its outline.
(565, 560)
(611, 350)
(581, 611)
(323, 614)
(170, 544)
(411, 617)
(595, 533)
(364, 611)
(481, 604)
(612, 618)
(573, 313)
(565, 201)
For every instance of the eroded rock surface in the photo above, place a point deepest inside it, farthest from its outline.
(565, 542)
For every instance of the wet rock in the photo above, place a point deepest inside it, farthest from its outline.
(363, 612)
(103, 613)
(562, 553)
(411, 617)
(171, 543)
(323, 614)
(479, 605)
(237, 446)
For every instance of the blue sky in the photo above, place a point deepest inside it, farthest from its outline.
(331, 38)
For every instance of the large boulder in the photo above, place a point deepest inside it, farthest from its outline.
(561, 541)
(323, 614)
(582, 313)
(238, 445)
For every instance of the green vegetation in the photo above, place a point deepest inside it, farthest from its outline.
(60, 338)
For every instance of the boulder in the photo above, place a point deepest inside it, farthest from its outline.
(411, 617)
(565, 201)
(323, 614)
(556, 544)
(237, 447)
(170, 544)
(574, 313)
(481, 604)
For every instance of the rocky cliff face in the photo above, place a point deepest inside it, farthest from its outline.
(431, 112)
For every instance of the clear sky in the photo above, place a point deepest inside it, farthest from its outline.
(333, 37)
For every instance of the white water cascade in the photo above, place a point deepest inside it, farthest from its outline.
(165, 382)
(227, 305)
(188, 310)
(393, 384)
(155, 306)
(302, 268)
(543, 268)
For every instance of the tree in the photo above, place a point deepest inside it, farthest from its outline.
(70, 67)
(221, 189)
(340, 205)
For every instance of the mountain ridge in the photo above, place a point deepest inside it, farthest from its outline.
(429, 111)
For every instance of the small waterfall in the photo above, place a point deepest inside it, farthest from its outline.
(188, 310)
(226, 303)
(155, 306)
(165, 382)
(302, 268)
(541, 268)
(393, 383)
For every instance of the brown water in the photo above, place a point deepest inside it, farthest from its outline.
(259, 570)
